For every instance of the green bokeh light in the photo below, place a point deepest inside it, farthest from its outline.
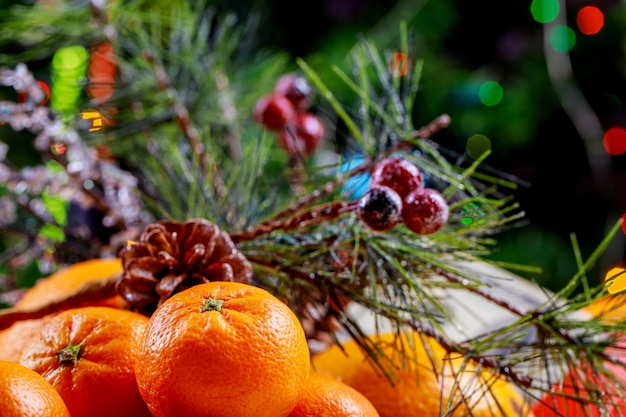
(69, 67)
(477, 145)
(544, 11)
(70, 58)
(490, 93)
(562, 38)
(52, 232)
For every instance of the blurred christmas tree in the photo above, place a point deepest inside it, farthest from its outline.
(153, 115)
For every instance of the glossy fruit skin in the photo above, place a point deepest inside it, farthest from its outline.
(244, 358)
(25, 393)
(380, 208)
(56, 286)
(274, 112)
(417, 386)
(69, 279)
(15, 338)
(327, 397)
(401, 175)
(296, 89)
(291, 143)
(425, 211)
(101, 382)
(611, 309)
(303, 136)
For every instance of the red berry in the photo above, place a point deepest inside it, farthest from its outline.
(304, 135)
(380, 208)
(398, 173)
(311, 129)
(295, 88)
(274, 112)
(425, 211)
(291, 143)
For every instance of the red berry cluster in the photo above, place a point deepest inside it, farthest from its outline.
(286, 111)
(397, 194)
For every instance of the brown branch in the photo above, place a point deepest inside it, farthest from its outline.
(189, 131)
(425, 132)
(315, 215)
(283, 220)
(229, 113)
(483, 293)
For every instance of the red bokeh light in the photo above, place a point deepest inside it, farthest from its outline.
(590, 20)
(623, 226)
(58, 148)
(614, 140)
(21, 96)
(398, 64)
(46, 90)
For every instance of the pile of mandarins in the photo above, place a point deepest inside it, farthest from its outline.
(220, 349)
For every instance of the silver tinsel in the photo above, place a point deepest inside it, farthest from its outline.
(83, 170)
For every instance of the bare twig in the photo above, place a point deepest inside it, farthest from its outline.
(314, 215)
(189, 131)
(440, 122)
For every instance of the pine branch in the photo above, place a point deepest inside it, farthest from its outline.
(176, 132)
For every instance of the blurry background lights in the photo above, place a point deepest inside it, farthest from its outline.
(562, 38)
(544, 11)
(46, 90)
(398, 64)
(93, 120)
(477, 145)
(58, 148)
(590, 20)
(69, 67)
(490, 93)
(614, 140)
(22, 97)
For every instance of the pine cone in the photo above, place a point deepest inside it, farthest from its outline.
(320, 319)
(319, 324)
(172, 256)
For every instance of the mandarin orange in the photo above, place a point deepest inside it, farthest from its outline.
(427, 381)
(611, 308)
(325, 396)
(25, 393)
(53, 288)
(69, 279)
(13, 339)
(88, 354)
(223, 349)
